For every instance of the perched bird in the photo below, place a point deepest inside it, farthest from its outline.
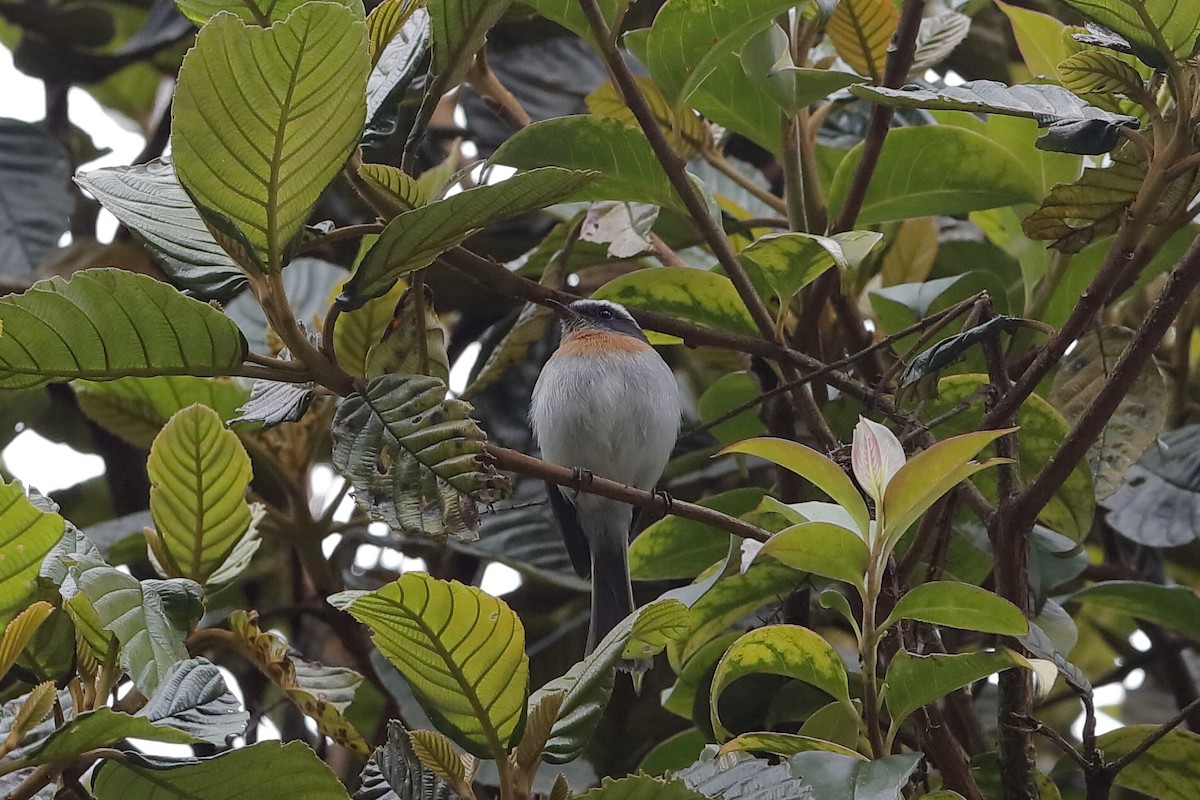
(605, 404)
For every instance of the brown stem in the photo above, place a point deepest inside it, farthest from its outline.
(496, 94)
(717, 159)
(514, 461)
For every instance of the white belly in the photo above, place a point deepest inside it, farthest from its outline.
(618, 418)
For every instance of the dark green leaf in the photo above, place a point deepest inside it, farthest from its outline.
(914, 681)
(148, 199)
(952, 348)
(395, 773)
(1074, 214)
(414, 457)
(1073, 126)
(139, 327)
(960, 605)
(193, 698)
(99, 728)
(34, 203)
(266, 769)
(821, 548)
(1174, 607)
(397, 63)
(642, 787)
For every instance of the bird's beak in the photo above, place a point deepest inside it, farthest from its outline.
(562, 310)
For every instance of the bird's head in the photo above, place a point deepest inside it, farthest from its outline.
(597, 316)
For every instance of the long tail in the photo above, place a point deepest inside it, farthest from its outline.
(612, 594)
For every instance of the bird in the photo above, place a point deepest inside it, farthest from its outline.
(607, 405)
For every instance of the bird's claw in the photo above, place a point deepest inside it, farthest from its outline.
(667, 500)
(581, 476)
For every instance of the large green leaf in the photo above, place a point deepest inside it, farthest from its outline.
(1075, 214)
(35, 207)
(414, 239)
(109, 323)
(628, 168)
(1039, 37)
(462, 651)
(832, 775)
(588, 685)
(1042, 429)
(199, 473)
(151, 619)
(960, 605)
(1169, 770)
(936, 170)
(815, 468)
(136, 408)
(148, 199)
(789, 261)
(914, 681)
(265, 770)
(194, 699)
(1073, 126)
(323, 693)
(1175, 21)
(675, 547)
(789, 744)
(27, 534)
(568, 13)
(1174, 607)
(788, 650)
(696, 295)
(255, 160)
(413, 457)
(99, 728)
(823, 549)
(642, 787)
(690, 38)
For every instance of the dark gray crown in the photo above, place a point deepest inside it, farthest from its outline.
(602, 315)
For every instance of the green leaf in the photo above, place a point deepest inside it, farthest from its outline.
(690, 38)
(788, 650)
(1042, 429)
(696, 295)
(832, 775)
(790, 261)
(1072, 125)
(936, 170)
(675, 548)
(814, 468)
(136, 409)
(396, 186)
(731, 390)
(395, 773)
(1139, 417)
(414, 239)
(1174, 607)
(1075, 214)
(413, 343)
(199, 473)
(938, 37)
(356, 332)
(620, 153)
(588, 685)
(929, 475)
(784, 744)
(861, 31)
(27, 534)
(685, 130)
(151, 619)
(255, 161)
(914, 681)
(960, 605)
(100, 728)
(194, 699)
(1177, 23)
(35, 207)
(823, 549)
(265, 769)
(1039, 37)
(674, 753)
(385, 22)
(137, 327)
(1169, 770)
(459, 30)
(433, 632)
(254, 12)
(641, 787)
(148, 199)
(19, 630)
(413, 457)
(766, 60)
(1096, 71)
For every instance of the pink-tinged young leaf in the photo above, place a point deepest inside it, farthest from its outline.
(815, 468)
(823, 549)
(876, 455)
(929, 475)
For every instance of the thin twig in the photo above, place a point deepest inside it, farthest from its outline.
(1153, 739)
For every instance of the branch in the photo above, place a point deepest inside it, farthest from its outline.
(496, 94)
(1153, 739)
(514, 461)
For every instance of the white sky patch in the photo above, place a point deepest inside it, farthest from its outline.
(460, 373)
(499, 579)
(47, 466)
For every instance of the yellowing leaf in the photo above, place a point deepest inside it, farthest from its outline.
(861, 31)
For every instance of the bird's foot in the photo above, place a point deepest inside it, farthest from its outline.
(581, 476)
(667, 500)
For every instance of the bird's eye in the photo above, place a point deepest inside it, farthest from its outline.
(605, 314)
